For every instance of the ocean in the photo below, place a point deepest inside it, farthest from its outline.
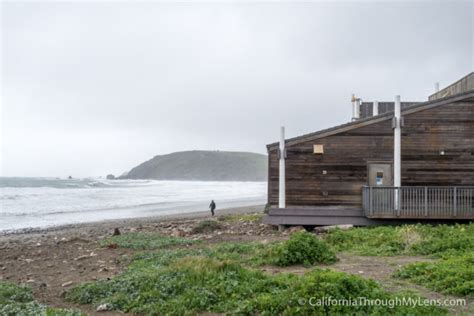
(27, 203)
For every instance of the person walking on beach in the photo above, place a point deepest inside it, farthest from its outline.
(212, 206)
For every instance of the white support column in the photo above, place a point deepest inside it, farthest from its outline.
(375, 109)
(355, 108)
(397, 151)
(282, 187)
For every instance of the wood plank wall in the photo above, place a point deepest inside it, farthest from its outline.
(449, 128)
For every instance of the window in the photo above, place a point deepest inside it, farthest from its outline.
(379, 178)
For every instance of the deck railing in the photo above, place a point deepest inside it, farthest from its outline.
(419, 202)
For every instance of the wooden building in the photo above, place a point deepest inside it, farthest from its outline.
(345, 174)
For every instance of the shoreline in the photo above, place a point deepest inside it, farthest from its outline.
(107, 225)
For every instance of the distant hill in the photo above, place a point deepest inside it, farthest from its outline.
(204, 166)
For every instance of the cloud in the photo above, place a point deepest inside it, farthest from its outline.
(94, 88)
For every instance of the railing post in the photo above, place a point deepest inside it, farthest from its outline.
(371, 203)
(397, 200)
(455, 201)
(426, 201)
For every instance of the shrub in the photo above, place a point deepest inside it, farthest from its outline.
(304, 248)
(206, 226)
(450, 276)
(145, 241)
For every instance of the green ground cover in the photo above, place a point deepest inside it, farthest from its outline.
(223, 279)
(453, 275)
(18, 300)
(436, 241)
(145, 241)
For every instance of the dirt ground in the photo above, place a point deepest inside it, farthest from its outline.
(53, 261)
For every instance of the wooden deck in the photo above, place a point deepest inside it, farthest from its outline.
(333, 215)
(323, 215)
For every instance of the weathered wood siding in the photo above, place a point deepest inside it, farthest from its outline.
(448, 127)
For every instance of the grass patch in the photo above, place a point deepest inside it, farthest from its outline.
(437, 241)
(235, 218)
(304, 248)
(206, 226)
(450, 276)
(185, 282)
(247, 254)
(18, 300)
(145, 241)
(445, 240)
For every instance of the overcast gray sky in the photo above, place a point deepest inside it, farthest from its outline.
(95, 88)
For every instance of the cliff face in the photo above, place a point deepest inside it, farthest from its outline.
(203, 166)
